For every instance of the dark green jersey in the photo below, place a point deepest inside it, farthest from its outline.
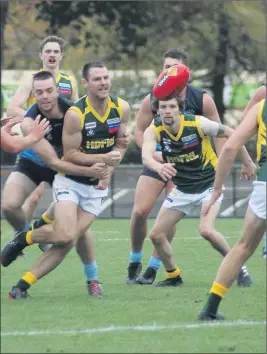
(98, 133)
(191, 152)
(261, 141)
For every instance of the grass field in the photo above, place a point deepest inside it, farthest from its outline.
(61, 318)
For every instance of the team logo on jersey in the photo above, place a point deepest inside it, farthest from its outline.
(113, 124)
(166, 144)
(90, 125)
(61, 84)
(90, 132)
(190, 141)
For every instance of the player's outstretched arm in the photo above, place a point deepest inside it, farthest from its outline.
(16, 143)
(15, 107)
(259, 95)
(222, 131)
(233, 145)
(165, 170)
(143, 120)
(46, 151)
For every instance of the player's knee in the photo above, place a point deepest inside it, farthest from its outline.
(140, 214)
(206, 232)
(9, 207)
(156, 236)
(65, 237)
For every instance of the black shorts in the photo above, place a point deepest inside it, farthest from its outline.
(35, 172)
(147, 172)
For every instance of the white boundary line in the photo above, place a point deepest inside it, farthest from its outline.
(107, 203)
(145, 328)
(239, 203)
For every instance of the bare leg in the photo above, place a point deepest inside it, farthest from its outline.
(143, 205)
(252, 235)
(17, 188)
(208, 232)
(165, 222)
(32, 201)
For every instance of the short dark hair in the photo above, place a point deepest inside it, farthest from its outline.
(177, 53)
(43, 75)
(90, 65)
(54, 39)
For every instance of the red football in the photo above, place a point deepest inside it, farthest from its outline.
(171, 82)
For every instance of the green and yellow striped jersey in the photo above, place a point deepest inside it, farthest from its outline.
(98, 133)
(261, 141)
(191, 152)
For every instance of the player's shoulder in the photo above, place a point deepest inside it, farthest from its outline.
(66, 76)
(32, 111)
(64, 103)
(194, 90)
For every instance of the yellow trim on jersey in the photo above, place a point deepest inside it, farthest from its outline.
(157, 130)
(200, 132)
(91, 109)
(180, 131)
(80, 113)
(261, 139)
(119, 107)
(208, 153)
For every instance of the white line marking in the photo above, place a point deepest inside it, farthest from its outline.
(107, 203)
(147, 239)
(146, 328)
(232, 208)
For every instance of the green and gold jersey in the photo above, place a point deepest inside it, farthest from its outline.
(98, 133)
(65, 87)
(191, 152)
(261, 141)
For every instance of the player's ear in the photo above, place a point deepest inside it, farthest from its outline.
(61, 56)
(84, 82)
(40, 55)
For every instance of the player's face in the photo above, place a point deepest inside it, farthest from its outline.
(168, 62)
(98, 83)
(51, 55)
(45, 93)
(168, 111)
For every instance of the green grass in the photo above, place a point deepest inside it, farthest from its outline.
(60, 302)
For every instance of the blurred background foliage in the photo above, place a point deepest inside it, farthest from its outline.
(226, 41)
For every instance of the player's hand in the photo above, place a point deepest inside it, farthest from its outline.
(39, 129)
(248, 171)
(158, 156)
(214, 196)
(103, 183)
(99, 170)
(113, 158)
(9, 124)
(167, 171)
(123, 141)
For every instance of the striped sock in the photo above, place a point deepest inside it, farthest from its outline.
(154, 263)
(90, 271)
(136, 257)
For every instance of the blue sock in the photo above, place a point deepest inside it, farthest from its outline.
(26, 226)
(90, 271)
(264, 240)
(154, 263)
(136, 257)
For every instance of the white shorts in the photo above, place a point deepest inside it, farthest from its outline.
(85, 196)
(257, 200)
(186, 202)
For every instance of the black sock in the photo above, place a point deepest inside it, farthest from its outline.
(212, 304)
(23, 285)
